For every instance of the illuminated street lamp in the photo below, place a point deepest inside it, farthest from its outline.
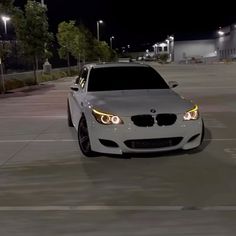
(221, 33)
(98, 24)
(111, 38)
(5, 19)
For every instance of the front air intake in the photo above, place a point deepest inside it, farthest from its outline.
(153, 143)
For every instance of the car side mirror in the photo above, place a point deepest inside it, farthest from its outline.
(173, 84)
(74, 88)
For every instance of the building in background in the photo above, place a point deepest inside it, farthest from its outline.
(166, 47)
(195, 51)
(222, 46)
(226, 42)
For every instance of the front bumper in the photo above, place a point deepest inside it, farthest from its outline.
(120, 134)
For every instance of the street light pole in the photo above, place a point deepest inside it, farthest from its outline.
(171, 47)
(5, 19)
(98, 33)
(111, 38)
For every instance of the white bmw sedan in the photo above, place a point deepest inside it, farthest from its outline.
(124, 107)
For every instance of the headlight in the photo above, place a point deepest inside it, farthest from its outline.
(106, 118)
(192, 114)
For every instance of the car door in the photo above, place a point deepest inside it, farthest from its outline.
(77, 96)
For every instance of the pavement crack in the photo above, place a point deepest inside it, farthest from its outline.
(25, 145)
(14, 154)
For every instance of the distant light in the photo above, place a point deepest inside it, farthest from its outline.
(147, 51)
(100, 21)
(5, 18)
(221, 33)
(128, 46)
(171, 38)
(112, 37)
(163, 44)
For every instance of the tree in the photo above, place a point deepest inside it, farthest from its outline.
(79, 45)
(163, 57)
(79, 42)
(6, 6)
(103, 51)
(5, 51)
(76, 41)
(89, 43)
(31, 28)
(65, 36)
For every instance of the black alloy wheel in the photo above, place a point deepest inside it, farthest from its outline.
(83, 138)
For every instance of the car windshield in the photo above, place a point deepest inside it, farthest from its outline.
(125, 78)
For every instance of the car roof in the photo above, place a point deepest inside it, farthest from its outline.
(116, 64)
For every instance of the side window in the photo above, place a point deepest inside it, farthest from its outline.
(81, 80)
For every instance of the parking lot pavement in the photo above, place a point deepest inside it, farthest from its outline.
(48, 188)
(119, 223)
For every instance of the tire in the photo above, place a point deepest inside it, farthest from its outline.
(203, 132)
(83, 138)
(69, 119)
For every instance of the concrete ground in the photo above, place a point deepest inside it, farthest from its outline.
(48, 188)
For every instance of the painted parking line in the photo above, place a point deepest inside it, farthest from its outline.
(38, 141)
(75, 140)
(116, 208)
(220, 139)
(212, 87)
(26, 117)
(231, 152)
(29, 103)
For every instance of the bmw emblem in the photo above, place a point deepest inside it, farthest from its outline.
(153, 111)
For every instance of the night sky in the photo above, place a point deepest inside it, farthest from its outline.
(140, 22)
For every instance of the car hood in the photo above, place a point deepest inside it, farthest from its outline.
(134, 102)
